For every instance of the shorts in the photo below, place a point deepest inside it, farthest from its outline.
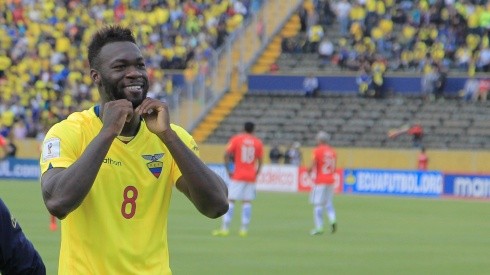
(322, 194)
(241, 190)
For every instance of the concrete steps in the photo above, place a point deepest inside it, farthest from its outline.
(216, 115)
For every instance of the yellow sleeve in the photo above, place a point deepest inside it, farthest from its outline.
(59, 146)
(189, 142)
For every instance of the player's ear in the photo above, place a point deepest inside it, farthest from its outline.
(94, 74)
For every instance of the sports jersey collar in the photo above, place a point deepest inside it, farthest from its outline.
(141, 128)
(97, 110)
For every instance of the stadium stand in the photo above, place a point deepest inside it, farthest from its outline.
(359, 122)
(407, 36)
(362, 122)
(43, 67)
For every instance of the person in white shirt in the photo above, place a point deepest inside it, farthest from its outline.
(310, 85)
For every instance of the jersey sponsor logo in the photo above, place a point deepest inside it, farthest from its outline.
(51, 149)
(111, 161)
(155, 166)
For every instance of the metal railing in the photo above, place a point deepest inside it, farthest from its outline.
(241, 49)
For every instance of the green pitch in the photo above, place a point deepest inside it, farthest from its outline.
(376, 235)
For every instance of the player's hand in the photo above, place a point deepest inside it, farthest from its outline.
(116, 114)
(155, 114)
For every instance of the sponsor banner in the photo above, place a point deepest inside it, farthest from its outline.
(272, 177)
(467, 186)
(14, 168)
(277, 177)
(393, 182)
(305, 181)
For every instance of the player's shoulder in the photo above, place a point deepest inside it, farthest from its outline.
(258, 140)
(185, 136)
(3, 210)
(236, 137)
(74, 121)
(180, 131)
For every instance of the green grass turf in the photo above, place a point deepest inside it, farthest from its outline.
(376, 235)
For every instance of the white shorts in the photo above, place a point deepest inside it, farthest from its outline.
(240, 190)
(322, 194)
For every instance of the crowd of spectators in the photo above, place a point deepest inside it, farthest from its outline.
(408, 36)
(43, 57)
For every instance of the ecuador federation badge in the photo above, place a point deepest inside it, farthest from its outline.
(155, 165)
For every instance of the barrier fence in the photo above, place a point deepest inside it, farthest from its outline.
(290, 178)
(407, 183)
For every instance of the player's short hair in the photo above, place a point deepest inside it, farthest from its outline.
(249, 127)
(106, 35)
(322, 136)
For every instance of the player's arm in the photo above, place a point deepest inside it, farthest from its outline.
(310, 168)
(228, 161)
(259, 165)
(204, 188)
(3, 147)
(63, 189)
(312, 164)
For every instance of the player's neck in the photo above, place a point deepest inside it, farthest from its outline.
(132, 127)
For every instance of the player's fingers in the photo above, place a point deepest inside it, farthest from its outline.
(148, 106)
(143, 107)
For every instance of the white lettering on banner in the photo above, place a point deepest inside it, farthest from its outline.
(5, 168)
(476, 187)
(18, 170)
(405, 183)
(278, 178)
(431, 183)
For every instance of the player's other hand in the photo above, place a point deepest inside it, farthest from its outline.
(116, 114)
(155, 114)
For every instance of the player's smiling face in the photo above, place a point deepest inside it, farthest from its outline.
(122, 73)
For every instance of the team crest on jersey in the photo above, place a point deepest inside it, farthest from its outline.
(155, 165)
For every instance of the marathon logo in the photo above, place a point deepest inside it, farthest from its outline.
(110, 161)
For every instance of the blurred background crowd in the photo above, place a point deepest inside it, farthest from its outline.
(44, 70)
(405, 35)
(44, 74)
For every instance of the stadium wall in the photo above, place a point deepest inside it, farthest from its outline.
(380, 182)
(290, 178)
(407, 85)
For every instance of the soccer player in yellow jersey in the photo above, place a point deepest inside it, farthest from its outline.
(108, 172)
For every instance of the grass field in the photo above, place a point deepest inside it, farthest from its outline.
(376, 235)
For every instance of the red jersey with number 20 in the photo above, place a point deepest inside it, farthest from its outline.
(246, 149)
(325, 159)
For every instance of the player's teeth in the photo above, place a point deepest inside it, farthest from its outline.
(132, 88)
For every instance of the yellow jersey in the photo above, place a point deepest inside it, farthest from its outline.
(121, 225)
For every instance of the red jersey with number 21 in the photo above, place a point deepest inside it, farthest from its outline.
(325, 159)
(246, 149)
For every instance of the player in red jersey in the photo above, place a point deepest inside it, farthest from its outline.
(244, 151)
(3, 146)
(422, 160)
(323, 168)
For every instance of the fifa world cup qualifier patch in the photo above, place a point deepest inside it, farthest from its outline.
(155, 166)
(51, 149)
